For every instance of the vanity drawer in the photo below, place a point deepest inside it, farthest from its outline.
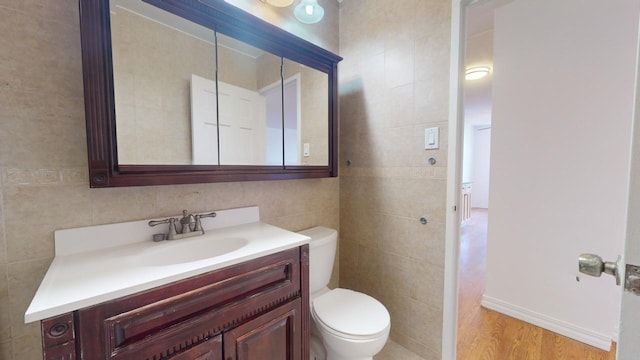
(188, 340)
(183, 314)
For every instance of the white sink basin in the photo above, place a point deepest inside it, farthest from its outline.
(182, 251)
(104, 262)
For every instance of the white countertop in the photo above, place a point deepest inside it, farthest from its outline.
(78, 279)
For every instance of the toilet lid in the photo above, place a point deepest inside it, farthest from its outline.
(351, 312)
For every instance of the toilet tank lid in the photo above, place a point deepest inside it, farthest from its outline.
(351, 312)
(320, 234)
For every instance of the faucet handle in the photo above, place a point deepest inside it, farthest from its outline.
(172, 227)
(211, 214)
(198, 226)
(158, 222)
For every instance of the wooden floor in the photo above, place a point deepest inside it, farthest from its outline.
(487, 335)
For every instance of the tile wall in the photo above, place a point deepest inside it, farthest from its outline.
(43, 177)
(394, 83)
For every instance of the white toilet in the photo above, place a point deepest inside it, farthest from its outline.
(351, 325)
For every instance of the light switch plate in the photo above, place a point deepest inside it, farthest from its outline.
(306, 150)
(431, 138)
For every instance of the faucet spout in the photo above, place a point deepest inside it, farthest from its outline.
(191, 225)
(187, 221)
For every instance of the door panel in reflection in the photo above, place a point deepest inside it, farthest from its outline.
(249, 105)
(204, 121)
(242, 126)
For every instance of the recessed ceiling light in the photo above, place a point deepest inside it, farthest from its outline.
(476, 72)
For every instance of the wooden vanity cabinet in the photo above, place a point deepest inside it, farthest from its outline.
(257, 310)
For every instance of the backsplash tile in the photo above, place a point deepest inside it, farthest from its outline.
(44, 176)
(23, 281)
(77, 176)
(12, 176)
(6, 349)
(32, 212)
(188, 197)
(111, 205)
(24, 349)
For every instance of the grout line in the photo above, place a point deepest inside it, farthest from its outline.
(3, 226)
(5, 265)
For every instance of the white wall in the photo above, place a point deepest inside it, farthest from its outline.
(481, 165)
(467, 154)
(562, 110)
(475, 162)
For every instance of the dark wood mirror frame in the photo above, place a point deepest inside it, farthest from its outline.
(104, 170)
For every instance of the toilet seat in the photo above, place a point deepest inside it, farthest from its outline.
(350, 314)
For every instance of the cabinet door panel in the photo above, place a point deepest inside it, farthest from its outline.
(209, 350)
(66, 351)
(272, 336)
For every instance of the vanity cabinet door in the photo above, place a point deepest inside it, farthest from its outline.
(208, 350)
(275, 335)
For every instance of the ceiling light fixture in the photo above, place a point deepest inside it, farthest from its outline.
(308, 12)
(278, 3)
(476, 72)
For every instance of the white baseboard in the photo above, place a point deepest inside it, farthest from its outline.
(557, 326)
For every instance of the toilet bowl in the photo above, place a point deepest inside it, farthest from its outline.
(351, 325)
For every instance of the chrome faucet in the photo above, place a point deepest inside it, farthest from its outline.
(191, 225)
(187, 221)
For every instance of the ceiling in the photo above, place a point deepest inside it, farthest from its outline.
(479, 51)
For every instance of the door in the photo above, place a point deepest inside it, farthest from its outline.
(208, 350)
(242, 123)
(275, 335)
(627, 270)
(291, 119)
(556, 267)
(242, 115)
(204, 121)
(629, 334)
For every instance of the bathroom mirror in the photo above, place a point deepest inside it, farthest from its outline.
(155, 57)
(161, 98)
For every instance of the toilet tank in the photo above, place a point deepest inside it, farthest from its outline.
(322, 253)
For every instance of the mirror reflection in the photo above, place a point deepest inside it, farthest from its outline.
(153, 64)
(305, 102)
(172, 110)
(250, 104)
